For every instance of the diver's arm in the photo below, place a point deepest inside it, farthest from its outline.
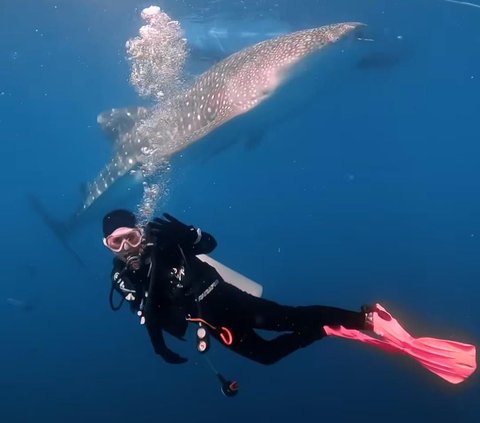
(158, 342)
(151, 319)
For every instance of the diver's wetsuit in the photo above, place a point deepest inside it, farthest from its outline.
(183, 285)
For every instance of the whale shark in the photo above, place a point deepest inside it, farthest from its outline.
(233, 87)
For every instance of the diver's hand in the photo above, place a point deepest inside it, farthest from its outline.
(173, 224)
(173, 221)
(173, 358)
(170, 229)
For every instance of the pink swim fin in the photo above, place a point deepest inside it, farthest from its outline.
(451, 360)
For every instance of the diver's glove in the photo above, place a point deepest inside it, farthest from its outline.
(169, 230)
(173, 358)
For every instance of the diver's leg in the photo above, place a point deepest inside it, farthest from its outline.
(250, 345)
(230, 306)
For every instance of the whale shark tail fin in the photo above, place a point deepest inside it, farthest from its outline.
(60, 229)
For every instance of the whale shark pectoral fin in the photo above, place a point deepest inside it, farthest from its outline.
(116, 122)
(254, 140)
(60, 229)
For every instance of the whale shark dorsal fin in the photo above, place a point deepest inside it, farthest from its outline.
(115, 122)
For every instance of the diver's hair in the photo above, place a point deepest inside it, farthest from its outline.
(119, 218)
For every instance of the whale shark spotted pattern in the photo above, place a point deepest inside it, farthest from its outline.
(234, 86)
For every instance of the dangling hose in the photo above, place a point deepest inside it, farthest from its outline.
(112, 289)
(132, 261)
(110, 300)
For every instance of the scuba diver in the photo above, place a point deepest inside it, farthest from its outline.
(156, 269)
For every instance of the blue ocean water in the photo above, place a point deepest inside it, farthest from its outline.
(370, 192)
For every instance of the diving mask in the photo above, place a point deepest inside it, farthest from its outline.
(123, 239)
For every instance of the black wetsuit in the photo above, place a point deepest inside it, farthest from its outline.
(183, 285)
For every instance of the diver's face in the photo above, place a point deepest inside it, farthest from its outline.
(125, 242)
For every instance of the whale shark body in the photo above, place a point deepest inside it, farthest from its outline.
(231, 88)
